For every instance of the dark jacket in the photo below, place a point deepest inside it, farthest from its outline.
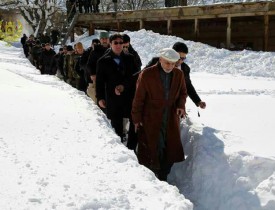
(36, 52)
(80, 65)
(54, 36)
(97, 53)
(59, 59)
(85, 58)
(136, 56)
(189, 86)
(108, 75)
(48, 62)
(23, 39)
(30, 43)
(148, 108)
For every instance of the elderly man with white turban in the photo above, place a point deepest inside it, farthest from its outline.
(158, 105)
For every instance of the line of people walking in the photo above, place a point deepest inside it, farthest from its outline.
(152, 100)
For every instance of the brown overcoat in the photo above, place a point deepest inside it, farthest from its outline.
(148, 106)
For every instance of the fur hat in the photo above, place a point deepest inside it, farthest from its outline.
(180, 47)
(169, 54)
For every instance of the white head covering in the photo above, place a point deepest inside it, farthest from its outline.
(169, 54)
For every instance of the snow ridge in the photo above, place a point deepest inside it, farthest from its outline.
(234, 180)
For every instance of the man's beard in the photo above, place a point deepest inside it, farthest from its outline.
(167, 71)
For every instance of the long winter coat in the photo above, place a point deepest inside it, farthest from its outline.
(191, 91)
(108, 76)
(148, 106)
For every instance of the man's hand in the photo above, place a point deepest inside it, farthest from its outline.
(181, 113)
(119, 89)
(202, 104)
(102, 103)
(137, 126)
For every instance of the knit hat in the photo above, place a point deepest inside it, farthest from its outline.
(180, 47)
(169, 54)
(103, 34)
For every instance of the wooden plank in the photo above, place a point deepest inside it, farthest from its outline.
(266, 30)
(196, 29)
(118, 26)
(228, 32)
(91, 29)
(141, 24)
(169, 27)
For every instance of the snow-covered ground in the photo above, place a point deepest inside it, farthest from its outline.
(58, 150)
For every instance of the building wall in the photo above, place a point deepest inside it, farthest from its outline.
(246, 32)
(14, 15)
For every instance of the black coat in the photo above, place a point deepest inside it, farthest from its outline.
(48, 62)
(80, 66)
(85, 58)
(136, 56)
(189, 86)
(97, 53)
(36, 52)
(23, 40)
(108, 75)
(59, 59)
(54, 36)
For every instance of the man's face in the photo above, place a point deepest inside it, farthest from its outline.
(182, 58)
(47, 47)
(117, 46)
(125, 47)
(167, 65)
(79, 50)
(65, 50)
(104, 42)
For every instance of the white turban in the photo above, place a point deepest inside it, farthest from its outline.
(169, 54)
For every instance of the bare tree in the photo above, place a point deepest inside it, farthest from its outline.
(7, 3)
(107, 5)
(38, 13)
